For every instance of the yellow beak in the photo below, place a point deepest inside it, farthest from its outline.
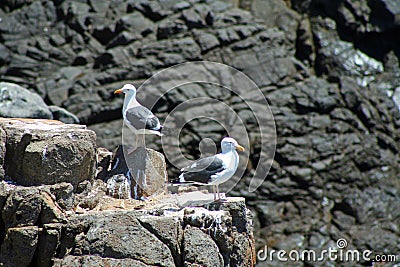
(118, 91)
(240, 148)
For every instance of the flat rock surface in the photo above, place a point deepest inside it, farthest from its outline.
(48, 152)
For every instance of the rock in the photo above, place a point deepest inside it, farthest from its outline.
(199, 249)
(64, 194)
(119, 237)
(94, 260)
(19, 246)
(327, 68)
(135, 23)
(103, 159)
(63, 115)
(22, 208)
(168, 27)
(150, 9)
(339, 53)
(2, 152)
(119, 186)
(143, 170)
(169, 231)
(206, 41)
(18, 102)
(65, 153)
(276, 13)
(192, 19)
(47, 245)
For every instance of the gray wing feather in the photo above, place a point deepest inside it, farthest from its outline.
(142, 118)
(202, 170)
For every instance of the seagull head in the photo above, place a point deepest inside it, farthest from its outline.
(229, 144)
(127, 89)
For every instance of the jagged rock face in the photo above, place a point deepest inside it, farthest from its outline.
(48, 152)
(36, 231)
(325, 71)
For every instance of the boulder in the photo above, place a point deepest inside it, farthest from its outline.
(95, 260)
(199, 249)
(48, 152)
(63, 115)
(143, 171)
(18, 102)
(19, 246)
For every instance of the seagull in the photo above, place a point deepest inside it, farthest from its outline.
(214, 170)
(138, 118)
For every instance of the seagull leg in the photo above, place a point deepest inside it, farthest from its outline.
(219, 197)
(143, 140)
(214, 191)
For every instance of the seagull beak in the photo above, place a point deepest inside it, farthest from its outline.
(118, 91)
(240, 148)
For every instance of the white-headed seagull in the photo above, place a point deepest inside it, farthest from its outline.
(216, 169)
(137, 117)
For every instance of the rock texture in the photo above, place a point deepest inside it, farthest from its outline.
(48, 152)
(59, 219)
(36, 231)
(329, 70)
(138, 174)
(18, 102)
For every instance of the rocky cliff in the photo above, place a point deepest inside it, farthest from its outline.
(328, 69)
(55, 211)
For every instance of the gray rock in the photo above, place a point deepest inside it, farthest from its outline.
(22, 208)
(64, 194)
(136, 23)
(18, 102)
(276, 13)
(338, 125)
(47, 244)
(207, 41)
(65, 153)
(2, 152)
(199, 249)
(150, 9)
(121, 236)
(63, 115)
(143, 171)
(94, 260)
(169, 231)
(19, 246)
(335, 53)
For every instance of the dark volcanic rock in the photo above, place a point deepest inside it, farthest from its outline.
(325, 67)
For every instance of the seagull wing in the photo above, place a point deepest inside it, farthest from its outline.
(201, 170)
(142, 118)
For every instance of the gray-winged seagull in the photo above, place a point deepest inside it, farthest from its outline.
(214, 170)
(138, 118)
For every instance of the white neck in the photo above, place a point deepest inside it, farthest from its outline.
(130, 100)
